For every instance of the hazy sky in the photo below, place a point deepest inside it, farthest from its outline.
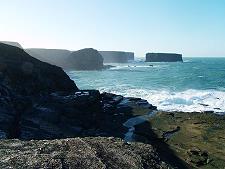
(191, 27)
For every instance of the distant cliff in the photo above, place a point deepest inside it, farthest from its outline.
(163, 57)
(16, 44)
(116, 56)
(84, 59)
(130, 55)
(56, 57)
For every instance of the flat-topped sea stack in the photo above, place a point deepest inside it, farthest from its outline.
(116, 56)
(56, 57)
(16, 44)
(86, 59)
(163, 57)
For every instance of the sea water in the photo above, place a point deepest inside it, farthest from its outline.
(196, 85)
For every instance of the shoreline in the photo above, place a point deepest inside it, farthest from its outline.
(43, 103)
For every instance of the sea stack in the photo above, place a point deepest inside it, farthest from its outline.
(86, 59)
(163, 57)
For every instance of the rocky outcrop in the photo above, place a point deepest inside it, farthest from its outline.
(79, 153)
(163, 57)
(116, 56)
(16, 44)
(29, 76)
(56, 57)
(39, 101)
(86, 59)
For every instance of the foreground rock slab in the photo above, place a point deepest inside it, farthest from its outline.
(79, 153)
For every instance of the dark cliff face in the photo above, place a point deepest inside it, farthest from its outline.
(16, 44)
(86, 59)
(56, 57)
(163, 57)
(116, 56)
(29, 76)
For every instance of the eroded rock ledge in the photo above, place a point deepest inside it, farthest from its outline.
(79, 153)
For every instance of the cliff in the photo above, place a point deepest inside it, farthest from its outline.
(27, 75)
(85, 59)
(56, 57)
(116, 56)
(163, 57)
(130, 55)
(16, 44)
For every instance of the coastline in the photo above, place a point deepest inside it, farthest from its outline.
(43, 103)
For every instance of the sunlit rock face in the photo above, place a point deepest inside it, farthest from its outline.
(86, 59)
(163, 57)
(16, 44)
(116, 56)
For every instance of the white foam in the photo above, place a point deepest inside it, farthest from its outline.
(132, 122)
(186, 101)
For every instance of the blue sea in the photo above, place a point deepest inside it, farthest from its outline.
(196, 85)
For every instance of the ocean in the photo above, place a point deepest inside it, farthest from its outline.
(196, 85)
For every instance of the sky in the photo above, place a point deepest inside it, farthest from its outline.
(190, 27)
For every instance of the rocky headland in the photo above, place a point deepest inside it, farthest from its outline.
(163, 57)
(84, 59)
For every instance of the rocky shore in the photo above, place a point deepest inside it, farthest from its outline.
(38, 101)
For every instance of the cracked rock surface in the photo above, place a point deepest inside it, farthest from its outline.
(79, 153)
